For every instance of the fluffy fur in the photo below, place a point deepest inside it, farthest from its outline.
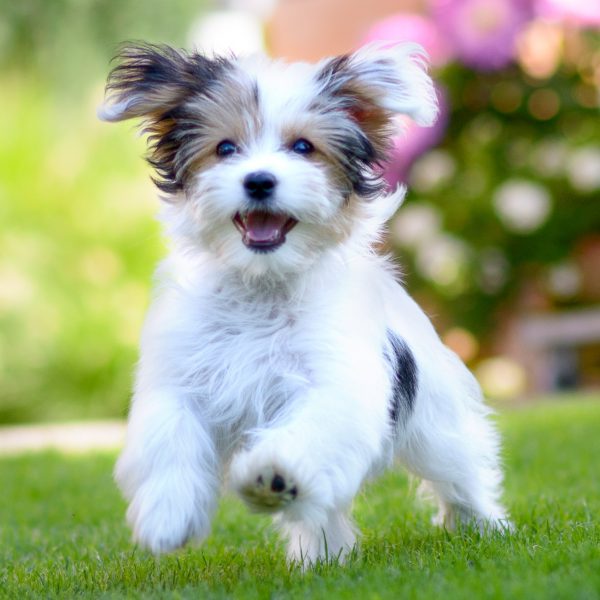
(287, 356)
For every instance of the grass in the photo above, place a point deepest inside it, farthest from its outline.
(63, 178)
(62, 532)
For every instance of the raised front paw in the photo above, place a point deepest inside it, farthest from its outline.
(267, 488)
(277, 474)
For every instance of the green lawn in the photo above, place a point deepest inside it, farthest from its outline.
(62, 532)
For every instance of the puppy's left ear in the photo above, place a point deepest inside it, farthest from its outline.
(149, 80)
(376, 83)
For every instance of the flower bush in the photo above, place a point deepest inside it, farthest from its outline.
(503, 192)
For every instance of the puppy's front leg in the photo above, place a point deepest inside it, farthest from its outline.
(312, 464)
(168, 471)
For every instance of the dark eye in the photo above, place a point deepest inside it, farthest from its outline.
(226, 148)
(302, 146)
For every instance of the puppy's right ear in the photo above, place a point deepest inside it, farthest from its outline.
(150, 80)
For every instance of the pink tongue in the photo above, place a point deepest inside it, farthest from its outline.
(264, 227)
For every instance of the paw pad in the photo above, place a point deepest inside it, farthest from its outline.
(269, 491)
(277, 483)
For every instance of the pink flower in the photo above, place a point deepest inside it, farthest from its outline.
(414, 140)
(585, 13)
(407, 27)
(482, 32)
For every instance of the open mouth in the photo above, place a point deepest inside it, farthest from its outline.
(263, 231)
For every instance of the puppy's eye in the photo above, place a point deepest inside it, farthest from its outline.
(302, 146)
(226, 148)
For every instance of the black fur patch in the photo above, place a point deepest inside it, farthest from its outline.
(333, 67)
(357, 156)
(405, 378)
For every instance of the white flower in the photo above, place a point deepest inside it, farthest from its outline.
(549, 157)
(564, 280)
(416, 224)
(443, 260)
(583, 168)
(226, 31)
(260, 8)
(494, 270)
(501, 377)
(522, 205)
(432, 169)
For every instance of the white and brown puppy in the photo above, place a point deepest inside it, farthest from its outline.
(279, 347)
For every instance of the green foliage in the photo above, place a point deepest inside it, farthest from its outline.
(66, 41)
(63, 533)
(78, 242)
(76, 252)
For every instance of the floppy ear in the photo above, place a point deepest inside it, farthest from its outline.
(154, 83)
(150, 80)
(376, 83)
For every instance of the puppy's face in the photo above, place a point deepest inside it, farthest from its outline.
(267, 164)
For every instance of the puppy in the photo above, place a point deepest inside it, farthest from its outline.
(279, 347)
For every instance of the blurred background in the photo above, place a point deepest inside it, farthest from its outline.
(499, 237)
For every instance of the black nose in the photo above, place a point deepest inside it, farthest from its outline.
(260, 185)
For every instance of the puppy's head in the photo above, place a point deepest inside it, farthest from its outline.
(267, 165)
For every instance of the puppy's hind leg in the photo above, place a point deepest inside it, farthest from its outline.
(452, 444)
(309, 542)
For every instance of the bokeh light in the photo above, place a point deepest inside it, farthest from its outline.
(522, 205)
